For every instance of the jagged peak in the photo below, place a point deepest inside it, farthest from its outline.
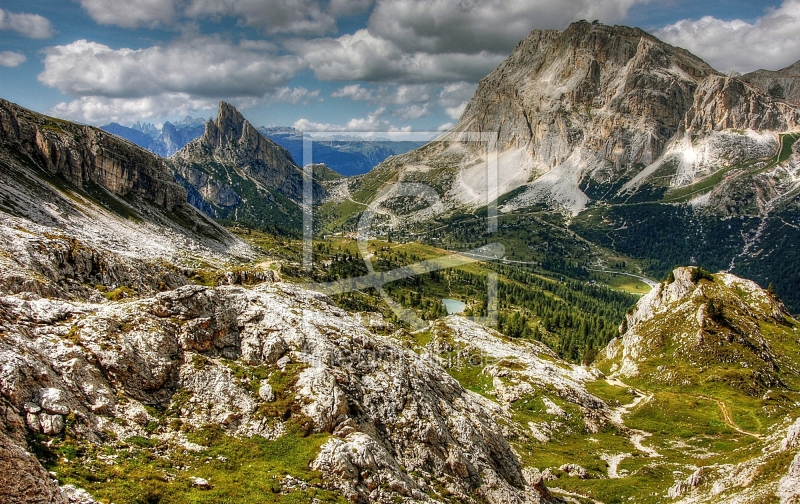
(232, 138)
(229, 125)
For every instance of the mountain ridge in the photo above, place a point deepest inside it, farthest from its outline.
(236, 174)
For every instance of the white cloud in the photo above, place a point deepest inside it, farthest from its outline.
(306, 17)
(131, 13)
(103, 110)
(349, 7)
(372, 122)
(362, 56)
(453, 95)
(355, 92)
(415, 111)
(29, 25)
(471, 26)
(397, 95)
(272, 16)
(771, 42)
(445, 126)
(455, 112)
(11, 59)
(201, 67)
(295, 96)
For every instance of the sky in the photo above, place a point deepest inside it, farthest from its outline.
(328, 65)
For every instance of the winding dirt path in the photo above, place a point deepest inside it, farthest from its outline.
(726, 416)
(636, 436)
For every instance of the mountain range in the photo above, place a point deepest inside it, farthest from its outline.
(149, 354)
(348, 156)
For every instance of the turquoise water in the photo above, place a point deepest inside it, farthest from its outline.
(453, 306)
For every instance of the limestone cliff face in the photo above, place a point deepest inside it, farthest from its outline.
(85, 155)
(783, 84)
(234, 172)
(724, 103)
(597, 112)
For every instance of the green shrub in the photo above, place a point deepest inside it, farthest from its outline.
(701, 274)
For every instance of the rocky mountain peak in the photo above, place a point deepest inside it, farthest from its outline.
(691, 327)
(783, 84)
(593, 111)
(229, 126)
(234, 172)
(231, 137)
(581, 72)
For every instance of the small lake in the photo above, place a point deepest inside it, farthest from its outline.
(453, 306)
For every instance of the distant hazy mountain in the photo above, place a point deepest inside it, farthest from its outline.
(165, 141)
(347, 154)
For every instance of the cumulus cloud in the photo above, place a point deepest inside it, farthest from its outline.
(349, 7)
(11, 59)
(771, 42)
(454, 97)
(445, 127)
(397, 95)
(200, 67)
(415, 111)
(131, 13)
(103, 110)
(295, 96)
(471, 26)
(272, 16)
(302, 17)
(362, 56)
(455, 112)
(29, 25)
(372, 122)
(454, 94)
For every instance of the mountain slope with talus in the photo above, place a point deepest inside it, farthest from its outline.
(596, 113)
(237, 175)
(81, 207)
(644, 148)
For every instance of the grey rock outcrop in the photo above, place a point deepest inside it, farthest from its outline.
(391, 412)
(22, 477)
(705, 322)
(783, 84)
